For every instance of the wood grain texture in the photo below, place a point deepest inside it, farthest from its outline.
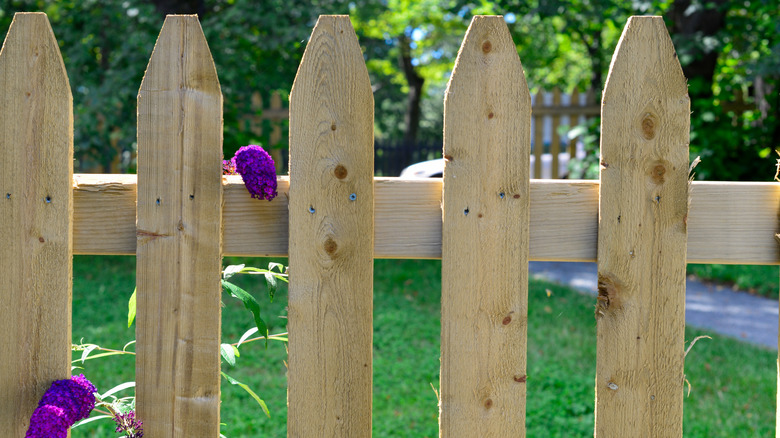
(564, 219)
(36, 206)
(331, 208)
(643, 210)
(484, 305)
(179, 230)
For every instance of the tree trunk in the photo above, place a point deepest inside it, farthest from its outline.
(412, 116)
(698, 23)
(166, 7)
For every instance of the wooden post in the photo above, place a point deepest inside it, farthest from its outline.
(179, 235)
(276, 133)
(331, 212)
(643, 213)
(36, 206)
(487, 123)
(574, 120)
(538, 136)
(555, 141)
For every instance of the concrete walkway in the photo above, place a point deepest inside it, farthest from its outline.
(722, 310)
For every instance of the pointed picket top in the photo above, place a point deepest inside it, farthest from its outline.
(487, 142)
(332, 74)
(644, 60)
(643, 213)
(181, 58)
(36, 174)
(331, 222)
(179, 228)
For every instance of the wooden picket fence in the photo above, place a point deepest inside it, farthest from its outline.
(485, 220)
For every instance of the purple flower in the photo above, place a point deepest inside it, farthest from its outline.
(64, 403)
(128, 424)
(258, 171)
(48, 421)
(229, 166)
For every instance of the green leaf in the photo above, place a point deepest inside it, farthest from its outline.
(228, 354)
(131, 309)
(270, 279)
(118, 388)
(231, 271)
(249, 391)
(89, 420)
(86, 352)
(246, 335)
(251, 304)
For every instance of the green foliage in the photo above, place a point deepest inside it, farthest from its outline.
(733, 383)
(760, 280)
(257, 46)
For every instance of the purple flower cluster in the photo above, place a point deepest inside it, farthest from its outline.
(258, 171)
(229, 167)
(128, 424)
(64, 403)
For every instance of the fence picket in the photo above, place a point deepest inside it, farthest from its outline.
(331, 210)
(487, 122)
(36, 225)
(538, 137)
(643, 214)
(179, 235)
(555, 140)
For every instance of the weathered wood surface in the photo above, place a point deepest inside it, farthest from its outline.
(487, 139)
(179, 230)
(643, 212)
(36, 206)
(331, 205)
(564, 219)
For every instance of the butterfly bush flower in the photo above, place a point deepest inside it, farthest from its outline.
(229, 167)
(258, 171)
(128, 424)
(64, 403)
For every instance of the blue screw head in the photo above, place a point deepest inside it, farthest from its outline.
(501, 195)
(352, 197)
(311, 209)
(48, 199)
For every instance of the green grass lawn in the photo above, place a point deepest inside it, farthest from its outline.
(756, 279)
(733, 383)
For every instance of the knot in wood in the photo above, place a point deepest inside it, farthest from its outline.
(649, 123)
(488, 403)
(340, 172)
(507, 320)
(657, 173)
(487, 47)
(330, 247)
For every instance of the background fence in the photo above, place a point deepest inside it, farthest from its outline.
(551, 112)
(485, 219)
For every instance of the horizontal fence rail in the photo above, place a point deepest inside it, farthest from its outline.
(485, 219)
(728, 222)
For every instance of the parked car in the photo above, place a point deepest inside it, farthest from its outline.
(435, 168)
